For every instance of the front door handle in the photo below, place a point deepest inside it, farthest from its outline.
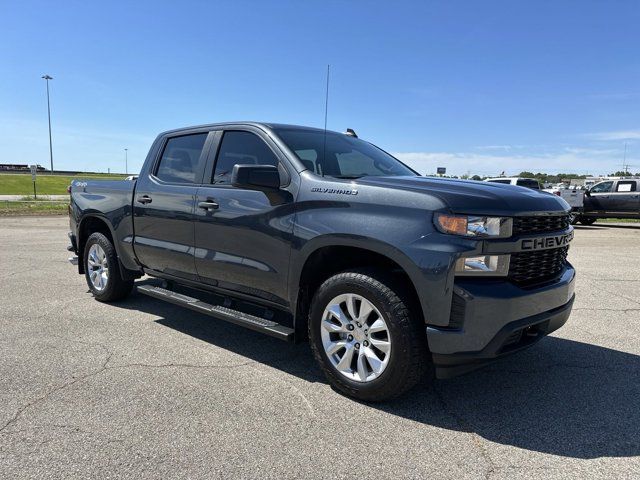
(144, 199)
(208, 205)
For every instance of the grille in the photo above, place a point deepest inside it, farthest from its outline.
(536, 267)
(541, 224)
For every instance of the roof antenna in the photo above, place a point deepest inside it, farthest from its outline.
(326, 111)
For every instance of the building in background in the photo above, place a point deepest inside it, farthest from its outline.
(19, 168)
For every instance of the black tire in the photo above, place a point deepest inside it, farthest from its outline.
(587, 220)
(574, 218)
(116, 288)
(408, 359)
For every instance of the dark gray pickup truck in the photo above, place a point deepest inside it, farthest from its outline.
(611, 199)
(305, 234)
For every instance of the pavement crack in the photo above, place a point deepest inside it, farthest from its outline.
(632, 300)
(104, 367)
(623, 280)
(84, 342)
(178, 365)
(54, 390)
(304, 399)
(623, 310)
(466, 427)
(296, 390)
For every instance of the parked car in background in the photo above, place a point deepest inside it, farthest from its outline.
(574, 196)
(557, 188)
(521, 182)
(611, 199)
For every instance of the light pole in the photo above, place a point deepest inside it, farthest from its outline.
(47, 78)
(126, 161)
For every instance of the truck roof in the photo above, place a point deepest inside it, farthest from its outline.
(263, 125)
(507, 178)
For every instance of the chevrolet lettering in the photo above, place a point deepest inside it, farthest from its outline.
(543, 243)
(311, 235)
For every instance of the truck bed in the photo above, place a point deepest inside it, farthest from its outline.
(102, 195)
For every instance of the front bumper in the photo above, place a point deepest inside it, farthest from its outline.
(498, 318)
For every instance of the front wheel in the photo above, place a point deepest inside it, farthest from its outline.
(102, 270)
(574, 218)
(368, 343)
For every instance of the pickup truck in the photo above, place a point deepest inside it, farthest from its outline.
(610, 199)
(574, 197)
(522, 182)
(307, 234)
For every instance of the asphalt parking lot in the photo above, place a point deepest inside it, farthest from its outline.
(143, 389)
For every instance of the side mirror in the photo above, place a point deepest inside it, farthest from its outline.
(256, 177)
(587, 192)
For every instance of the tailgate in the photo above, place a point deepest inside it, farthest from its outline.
(575, 198)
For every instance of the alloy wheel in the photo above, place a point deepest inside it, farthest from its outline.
(355, 337)
(98, 267)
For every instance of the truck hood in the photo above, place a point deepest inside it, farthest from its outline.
(474, 197)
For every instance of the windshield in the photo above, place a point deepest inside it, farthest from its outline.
(529, 183)
(346, 156)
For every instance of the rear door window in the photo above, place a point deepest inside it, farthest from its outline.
(182, 159)
(628, 186)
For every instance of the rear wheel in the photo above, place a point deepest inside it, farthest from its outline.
(102, 270)
(587, 220)
(363, 335)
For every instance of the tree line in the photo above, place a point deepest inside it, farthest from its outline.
(546, 177)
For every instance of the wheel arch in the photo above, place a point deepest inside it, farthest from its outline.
(328, 255)
(92, 223)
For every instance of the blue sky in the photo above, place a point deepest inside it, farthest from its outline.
(474, 86)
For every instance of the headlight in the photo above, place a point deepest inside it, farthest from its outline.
(485, 265)
(474, 226)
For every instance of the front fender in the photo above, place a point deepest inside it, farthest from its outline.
(428, 263)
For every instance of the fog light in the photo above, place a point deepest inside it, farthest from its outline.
(483, 265)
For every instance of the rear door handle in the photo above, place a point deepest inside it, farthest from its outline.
(208, 205)
(144, 199)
